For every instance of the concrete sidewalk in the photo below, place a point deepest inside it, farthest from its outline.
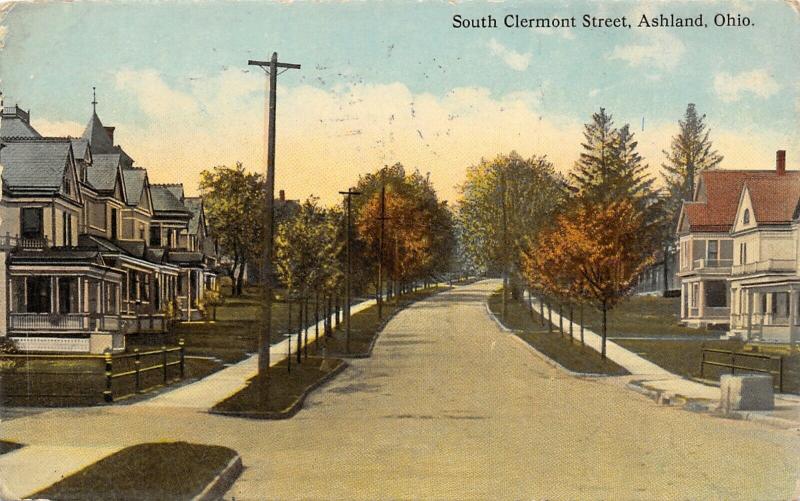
(654, 379)
(216, 387)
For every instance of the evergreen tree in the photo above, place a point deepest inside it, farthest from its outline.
(610, 169)
(691, 152)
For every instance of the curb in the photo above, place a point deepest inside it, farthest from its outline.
(775, 422)
(538, 353)
(222, 482)
(295, 406)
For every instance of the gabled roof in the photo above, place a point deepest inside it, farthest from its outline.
(103, 172)
(774, 199)
(195, 206)
(35, 165)
(717, 196)
(97, 136)
(135, 179)
(164, 200)
(80, 148)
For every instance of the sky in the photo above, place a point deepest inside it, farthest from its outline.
(387, 82)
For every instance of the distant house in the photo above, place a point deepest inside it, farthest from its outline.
(93, 251)
(738, 252)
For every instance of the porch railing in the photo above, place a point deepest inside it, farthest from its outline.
(712, 263)
(63, 322)
(778, 265)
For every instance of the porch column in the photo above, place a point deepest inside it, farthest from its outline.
(80, 294)
(684, 300)
(701, 301)
(749, 313)
(189, 295)
(127, 291)
(53, 295)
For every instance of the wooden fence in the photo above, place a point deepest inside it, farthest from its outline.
(57, 380)
(733, 362)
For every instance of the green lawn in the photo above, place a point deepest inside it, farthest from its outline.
(283, 387)
(643, 316)
(172, 470)
(568, 353)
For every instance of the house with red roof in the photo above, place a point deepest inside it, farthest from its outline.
(738, 252)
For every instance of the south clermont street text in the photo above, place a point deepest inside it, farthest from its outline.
(590, 21)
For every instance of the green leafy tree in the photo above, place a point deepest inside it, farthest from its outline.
(504, 203)
(234, 203)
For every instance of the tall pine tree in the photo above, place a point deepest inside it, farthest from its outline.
(691, 152)
(610, 168)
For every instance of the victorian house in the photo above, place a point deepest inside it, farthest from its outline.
(739, 253)
(93, 250)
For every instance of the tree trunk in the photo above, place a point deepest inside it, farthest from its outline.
(605, 324)
(560, 319)
(337, 310)
(581, 324)
(571, 324)
(549, 319)
(316, 322)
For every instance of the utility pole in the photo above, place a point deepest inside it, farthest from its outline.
(350, 193)
(505, 245)
(383, 220)
(271, 68)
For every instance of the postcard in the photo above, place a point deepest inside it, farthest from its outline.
(257, 250)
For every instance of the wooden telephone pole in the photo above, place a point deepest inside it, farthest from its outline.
(350, 193)
(383, 220)
(271, 68)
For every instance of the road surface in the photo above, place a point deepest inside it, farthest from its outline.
(450, 407)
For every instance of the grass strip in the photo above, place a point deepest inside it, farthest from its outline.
(172, 470)
(570, 354)
(285, 389)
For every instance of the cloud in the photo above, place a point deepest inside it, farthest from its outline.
(47, 127)
(730, 87)
(660, 50)
(513, 59)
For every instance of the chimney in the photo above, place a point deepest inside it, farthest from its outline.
(282, 195)
(780, 162)
(110, 132)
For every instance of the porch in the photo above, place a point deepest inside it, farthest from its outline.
(74, 308)
(704, 302)
(767, 312)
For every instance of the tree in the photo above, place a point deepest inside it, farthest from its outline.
(609, 167)
(418, 236)
(691, 152)
(504, 203)
(591, 254)
(234, 203)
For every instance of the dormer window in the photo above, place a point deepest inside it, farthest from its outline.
(746, 217)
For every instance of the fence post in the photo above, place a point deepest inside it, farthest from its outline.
(780, 374)
(733, 362)
(702, 360)
(164, 362)
(183, 352)
(108, 396)
(136, 364)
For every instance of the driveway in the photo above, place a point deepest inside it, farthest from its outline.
(451, 407)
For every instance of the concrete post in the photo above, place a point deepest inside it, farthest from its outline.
(749, 313)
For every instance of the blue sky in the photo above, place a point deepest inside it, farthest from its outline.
(393, 81)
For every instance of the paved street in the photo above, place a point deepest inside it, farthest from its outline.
(451, 407)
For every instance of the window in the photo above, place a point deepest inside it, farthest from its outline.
(66, 228)
(146, 287)
(695, 294)
(114, 224)
(155, 235)
(38, 295)
(141, 231)
(32, 223)
(716, 294)
(742, 253)
(713, 250)
(67, 295)
(746, 218)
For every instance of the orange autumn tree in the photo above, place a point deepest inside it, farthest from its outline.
(593, 253)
